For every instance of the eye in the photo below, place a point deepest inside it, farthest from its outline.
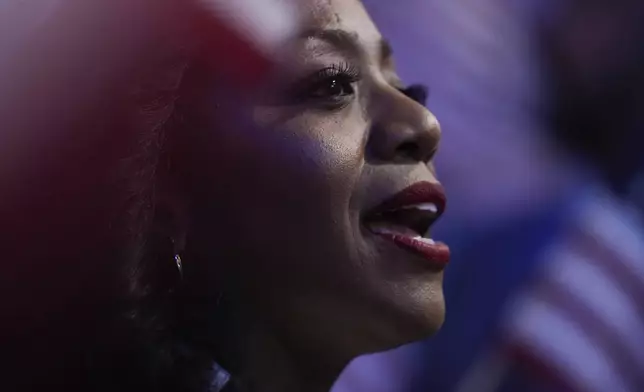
(333, 87)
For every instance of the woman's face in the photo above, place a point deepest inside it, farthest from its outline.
(294, 199)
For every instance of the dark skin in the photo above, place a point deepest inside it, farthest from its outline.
(311, 286)
(269, 208)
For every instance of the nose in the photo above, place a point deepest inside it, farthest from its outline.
(403, 130)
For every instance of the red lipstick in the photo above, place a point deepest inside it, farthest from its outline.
(405, 218)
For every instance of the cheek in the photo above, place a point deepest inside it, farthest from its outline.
(295, 173)
(288, 183)
(320, 152)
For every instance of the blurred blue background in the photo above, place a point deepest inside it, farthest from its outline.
(542, 109)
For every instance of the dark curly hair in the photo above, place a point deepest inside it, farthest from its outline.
(120, 317)
(171, 330)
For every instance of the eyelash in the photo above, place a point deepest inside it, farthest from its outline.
(340, 77)
(345, 70)
(346, 75)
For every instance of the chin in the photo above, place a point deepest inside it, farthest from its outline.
(425, 323)
(422, 321)
(415, 315)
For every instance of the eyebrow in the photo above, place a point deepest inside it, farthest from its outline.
(347, 42)
(341, 39)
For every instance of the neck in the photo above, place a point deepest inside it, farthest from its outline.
(268, 366)
(261, 361)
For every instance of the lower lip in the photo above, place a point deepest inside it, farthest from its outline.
(437, 254)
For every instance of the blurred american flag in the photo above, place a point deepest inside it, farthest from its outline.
(580, 325)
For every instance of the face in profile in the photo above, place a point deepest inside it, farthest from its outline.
(313, 213)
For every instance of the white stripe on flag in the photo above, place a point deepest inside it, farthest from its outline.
(268, 23)
(557, 341)
(617, 229)
(602, 295)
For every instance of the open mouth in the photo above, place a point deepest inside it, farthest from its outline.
(411, 221)
(406, 218)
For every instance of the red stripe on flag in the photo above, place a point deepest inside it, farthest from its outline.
(575, 309)
(539, 368)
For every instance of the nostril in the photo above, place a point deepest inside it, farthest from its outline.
(409, 150)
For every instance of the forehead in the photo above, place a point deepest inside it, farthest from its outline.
(347, 15)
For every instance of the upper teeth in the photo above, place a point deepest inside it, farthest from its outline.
(423, 206)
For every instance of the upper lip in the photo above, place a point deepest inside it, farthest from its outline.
(419, 195)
